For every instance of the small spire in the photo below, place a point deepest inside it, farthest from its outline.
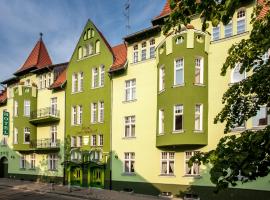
(41, 34)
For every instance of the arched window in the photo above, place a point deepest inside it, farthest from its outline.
(79, 52)
(84, 51)
(97, 46)
(92, 33)
(90, 49)
(88, 33)
(236, 76)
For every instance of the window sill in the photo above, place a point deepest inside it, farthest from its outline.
(228, 38)
(76, 92)
(178, 85)
(198, 131)
(129, 101)
(26, 143)
(176, 132)
(88, 56)
(53, 170)
(129, 138)
(192, 176)
(167, 175)
(128, 174)
(161, 91)
(160, 134)
(258, 127)
(238, 129)
(199, 84)
(93, 88)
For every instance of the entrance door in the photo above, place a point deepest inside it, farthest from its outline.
(97, 178)
(4, 167)
(76, 176)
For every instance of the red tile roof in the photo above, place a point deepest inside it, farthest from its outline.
(264, 10)
(38, 58)
(61, 79)
(120, 57)
(165, 11)
(3, 96)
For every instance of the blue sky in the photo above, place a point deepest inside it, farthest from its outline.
(62, 22)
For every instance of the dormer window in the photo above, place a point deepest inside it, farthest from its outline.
(241, 21)
(179, 40)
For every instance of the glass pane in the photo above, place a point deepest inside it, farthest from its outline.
(164, 167)
(178, 122)
(171, 167)
(261, 118)
(179, 76)
(126, 166)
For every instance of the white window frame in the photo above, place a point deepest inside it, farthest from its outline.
(74, 115)
(152, 48)
(95, 81)
(179, 67)
(200, 114)
(32, 161)
(27, 131)
(100, 140)
(130, 122)
(101, 111)
(192, 153)
(93, 140)
(217, 28)
(79, 114)
(101, 75)
(237, 67)
(73, 141)
(267, 117)
(53, 135)
(135, 54)
(94, 113)
(74, 82)
(27, 108)
(162, 78)
(161, 128)
(176, 114)
(79, 141)
(241, 17)
(52, 162)
(16, 106)
(54, 106)
(15, 135)
(80, 82)
(143, 51)
(129, 158)
(23, 162)
(199, 67)
(167, 157)
(228, 29)
(130, 90)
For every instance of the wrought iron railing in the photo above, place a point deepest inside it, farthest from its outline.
(45, 112)
(46, 143)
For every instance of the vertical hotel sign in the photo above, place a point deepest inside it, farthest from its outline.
(5, 123)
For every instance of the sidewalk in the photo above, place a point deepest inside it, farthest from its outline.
(79, 192)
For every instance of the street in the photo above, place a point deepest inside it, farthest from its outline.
(8, 193)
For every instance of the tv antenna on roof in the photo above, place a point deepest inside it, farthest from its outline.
(126, 14)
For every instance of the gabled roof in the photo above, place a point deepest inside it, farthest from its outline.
(38, 58)
(61, 79)
(3, 96)
(165, 11)
(120, 55)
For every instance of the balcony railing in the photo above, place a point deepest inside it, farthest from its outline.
(46, 143)
(45, 115)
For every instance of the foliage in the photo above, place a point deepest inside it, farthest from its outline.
(247, 156)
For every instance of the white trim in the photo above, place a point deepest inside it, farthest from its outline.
(179, 68)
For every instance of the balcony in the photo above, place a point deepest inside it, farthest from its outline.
(46, 144)
(44, 115)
